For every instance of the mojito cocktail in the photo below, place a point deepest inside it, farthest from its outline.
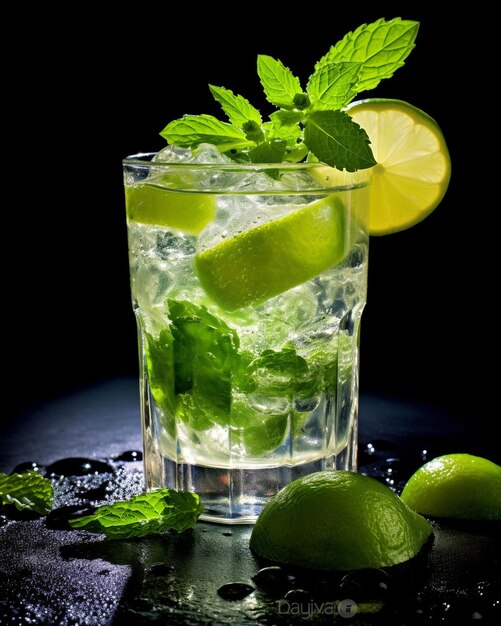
(248, 285)
(248, 252)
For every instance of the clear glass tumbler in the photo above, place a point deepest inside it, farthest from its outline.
(248, 285)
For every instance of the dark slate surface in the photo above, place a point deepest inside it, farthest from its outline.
(60, 577)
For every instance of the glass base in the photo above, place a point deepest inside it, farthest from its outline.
(238, 495)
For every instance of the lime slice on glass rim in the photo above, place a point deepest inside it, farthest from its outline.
(413, 164)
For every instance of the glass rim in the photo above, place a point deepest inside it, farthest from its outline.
(332, 180)
(146, 158)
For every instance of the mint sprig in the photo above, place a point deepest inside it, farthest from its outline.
(147, 514)
(380, 48)
(308, 123)
(27, 491)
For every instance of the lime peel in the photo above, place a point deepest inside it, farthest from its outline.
(338, 520)
(457, 486)
(275, 256)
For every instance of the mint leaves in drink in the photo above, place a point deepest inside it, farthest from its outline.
(200, 376)
(27, 491)
(147, 514)
(309, 122)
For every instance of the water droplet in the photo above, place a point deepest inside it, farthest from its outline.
(130, 456)
(398, 467)
(3, 520)
(78, 466)
(228, 534)
(161, 569)
(28, 466)
(489, 590)
(58, 519)
(365, 584)
(98, 493)
(235, 591)
(374, 450)
(272, 579)
(300, 597)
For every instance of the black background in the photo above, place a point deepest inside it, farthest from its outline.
(86, 89)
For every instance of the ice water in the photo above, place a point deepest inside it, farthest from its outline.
(237, 401)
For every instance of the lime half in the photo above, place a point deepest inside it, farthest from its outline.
(458, 486)
(413, 164)
(338, 520)
(276, 256)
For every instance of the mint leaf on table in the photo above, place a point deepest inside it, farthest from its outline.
(333, 85)
(238, 109)
(148, 514)
(279, 83)
(337, 140)
(380, 47)
(28, 491)
(192, 130)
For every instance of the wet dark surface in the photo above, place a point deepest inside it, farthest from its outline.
(50, 575)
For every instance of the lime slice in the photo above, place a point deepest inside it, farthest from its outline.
(338, 520)
(152, 203)
(414, 168)
(459, 486)
(276, 256)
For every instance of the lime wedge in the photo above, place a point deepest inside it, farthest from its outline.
(276, 256)
(413, 170)
(460, 486)
(151, 203)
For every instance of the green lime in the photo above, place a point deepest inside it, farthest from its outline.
(158, 205)
(276, 256)
(338, 520)
(413, 164)
(458, 486)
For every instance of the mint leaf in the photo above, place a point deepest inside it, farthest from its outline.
(272, 151)
(286, 362)
(333, 85)
(238, 109)
(147, 514)
(279, 83)
(284, 125)
(27, 491)
(258, 432)
(278, 373)
(205, 350)
(337, 140)
(381, 47)
(253, 131)
(192, 130)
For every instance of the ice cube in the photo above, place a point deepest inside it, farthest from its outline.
(174, 154)
(204, 154)
(207, 154)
